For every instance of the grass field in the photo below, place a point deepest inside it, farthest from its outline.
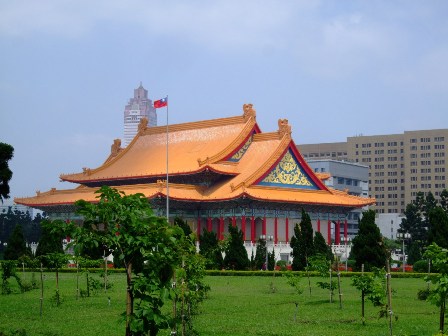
(235, 306)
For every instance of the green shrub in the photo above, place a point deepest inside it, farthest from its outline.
(423, 294)
(282, 264)
(421, 266)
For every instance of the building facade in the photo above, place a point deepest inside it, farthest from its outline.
(221, 172)
(138, 107)
(400, 165)
(346, 176)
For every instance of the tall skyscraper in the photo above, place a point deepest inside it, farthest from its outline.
(140, 106)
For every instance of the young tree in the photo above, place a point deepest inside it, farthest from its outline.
(209, 248)
(438, 223)
(149, 248)
(236, 255)
(6, 154)
(368, 248)
(372, 286)
(322, 265)
(16, 247)
(302, 243)
(438, 296)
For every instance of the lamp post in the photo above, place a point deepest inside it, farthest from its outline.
(403, 236)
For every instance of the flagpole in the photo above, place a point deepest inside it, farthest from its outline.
(167, 174)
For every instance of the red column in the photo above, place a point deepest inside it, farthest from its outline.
(233, 221)
(263, 229)
(275, 230)
(318, 225)
(329, 232)
(209, 224)
(345, 230)
(252, 229)
(198, 229)
(337, 238)
(243, 226)
(221, 228)
(287, 229)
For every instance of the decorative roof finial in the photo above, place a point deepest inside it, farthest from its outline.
(249, 111)
(284, 128)
(143, 125)
(115, 148)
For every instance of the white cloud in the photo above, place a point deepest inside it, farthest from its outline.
(345, 46)
(217, 24)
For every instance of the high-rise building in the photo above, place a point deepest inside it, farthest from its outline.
(400, 165)
(140, 106)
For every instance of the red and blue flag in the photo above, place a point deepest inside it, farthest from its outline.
(161, 102)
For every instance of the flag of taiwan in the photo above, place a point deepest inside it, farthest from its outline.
(161, 102)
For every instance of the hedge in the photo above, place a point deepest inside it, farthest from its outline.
(304, 274)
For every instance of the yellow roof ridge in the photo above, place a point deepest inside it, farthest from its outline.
(194, 125)
(237, 141)
(248, 117)
(266, 136)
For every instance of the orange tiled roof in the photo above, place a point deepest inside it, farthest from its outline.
(191, 147)
(199, 145)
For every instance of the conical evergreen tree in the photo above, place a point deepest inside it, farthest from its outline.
(183, 225)
(302, 243)
(438, 233)
(16, 245)
(236, 255)
(321, 247)
(368, 248)
(209, 248)
(260, 254)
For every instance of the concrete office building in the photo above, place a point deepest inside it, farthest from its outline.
(400, 165)
(345, 176)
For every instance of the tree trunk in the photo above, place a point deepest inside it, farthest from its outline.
(129, 299)
(362, 304)
(442, 314)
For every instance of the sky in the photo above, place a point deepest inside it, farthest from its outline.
(334, 69)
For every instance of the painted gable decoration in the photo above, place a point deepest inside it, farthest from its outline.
(289, 174)
(239, 154)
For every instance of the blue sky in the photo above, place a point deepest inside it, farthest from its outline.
(332, 68)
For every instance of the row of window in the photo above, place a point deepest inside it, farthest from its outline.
(428, 178)
(327, 154)
(436, 139)
(429, 186)
(348, 181)
(389, 196)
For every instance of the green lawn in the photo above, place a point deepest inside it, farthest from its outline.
(235, 306)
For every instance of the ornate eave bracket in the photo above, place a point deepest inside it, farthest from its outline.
(86, 171)
(161, 184)
(203, 162)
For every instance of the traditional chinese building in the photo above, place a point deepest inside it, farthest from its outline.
(221, 172)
